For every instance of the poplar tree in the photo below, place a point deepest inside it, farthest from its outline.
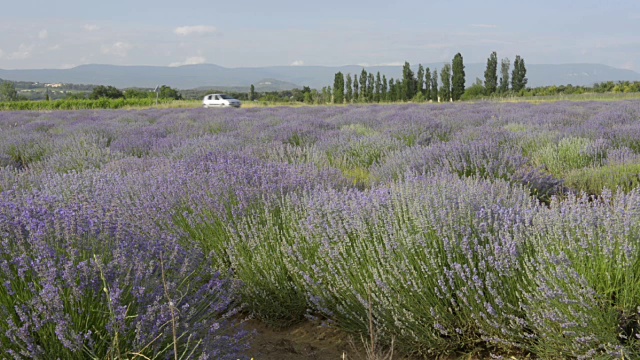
(518, 75)
(338, 88)
(356, 94)
(371, 82)
(252, 93)
(420, 78)
(349, 90)
(383, 91)
(408, 82)
(491, 74)
(505, 64)
(377, 94)
(427, 82)
(445, 78)
(434, 86)
(363, 86)
(457, 78)
(392, 90)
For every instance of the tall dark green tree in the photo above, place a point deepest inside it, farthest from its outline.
(491, 74)
(408, 82)
(445, 80)
(427, 83)
(338, 88)
(457, 77)
(383, 91)
(349, 90)
(356, 94)
(252, 93)
(518, 75)
(371, 84)
(505, 64)
(363, 85)
(377, 95)
(434, 86)
(392, 90)
(420, 79)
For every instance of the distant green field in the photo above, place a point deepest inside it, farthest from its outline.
(85, 104)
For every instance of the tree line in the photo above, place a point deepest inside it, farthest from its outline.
(428, 84)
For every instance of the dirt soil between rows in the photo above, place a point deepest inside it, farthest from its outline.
(307, 340)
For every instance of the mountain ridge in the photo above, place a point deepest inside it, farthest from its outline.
(212, 75)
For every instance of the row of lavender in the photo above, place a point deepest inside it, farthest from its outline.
(144, 232)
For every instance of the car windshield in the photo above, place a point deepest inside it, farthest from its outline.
(226, 97)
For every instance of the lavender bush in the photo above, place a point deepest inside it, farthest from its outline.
(78, 283)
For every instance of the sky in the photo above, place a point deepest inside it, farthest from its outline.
(67, 33)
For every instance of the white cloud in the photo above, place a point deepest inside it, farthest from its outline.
(43, 34)
(1, 53)
(118, 49)
(24, 52)
(195, 30)
(194, 60)
(297, 63)
(484, 26)
(91, 27)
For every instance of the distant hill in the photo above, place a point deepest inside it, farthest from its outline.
(288, 77)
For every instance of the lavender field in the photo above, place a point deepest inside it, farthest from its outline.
(490, 228)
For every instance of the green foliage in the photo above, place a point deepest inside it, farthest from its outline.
(518, 75)
(409, 83)
(348, 95)
(391, 96)
(445, 88)
(363, 86)
(80, 104)
(420, 80)
(252, 93)
(384, 93)
(594, 180)
(505, 65)
(434, 86)
(371, 81)
(8, 91)
(491, 74)
(27, 153)
(166, 92)
(138, 94)
(457, 78)
(475, 91)
(356, 92)
(427, 84)
(378, 89)
(338, 88)
(569, 154)
(108, 92)
(254, 247)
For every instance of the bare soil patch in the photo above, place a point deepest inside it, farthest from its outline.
(307, 340)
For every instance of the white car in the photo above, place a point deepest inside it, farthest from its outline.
(220, 100)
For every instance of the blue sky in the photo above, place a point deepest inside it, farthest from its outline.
(67, 33)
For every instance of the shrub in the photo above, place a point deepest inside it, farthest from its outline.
(75, 285)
